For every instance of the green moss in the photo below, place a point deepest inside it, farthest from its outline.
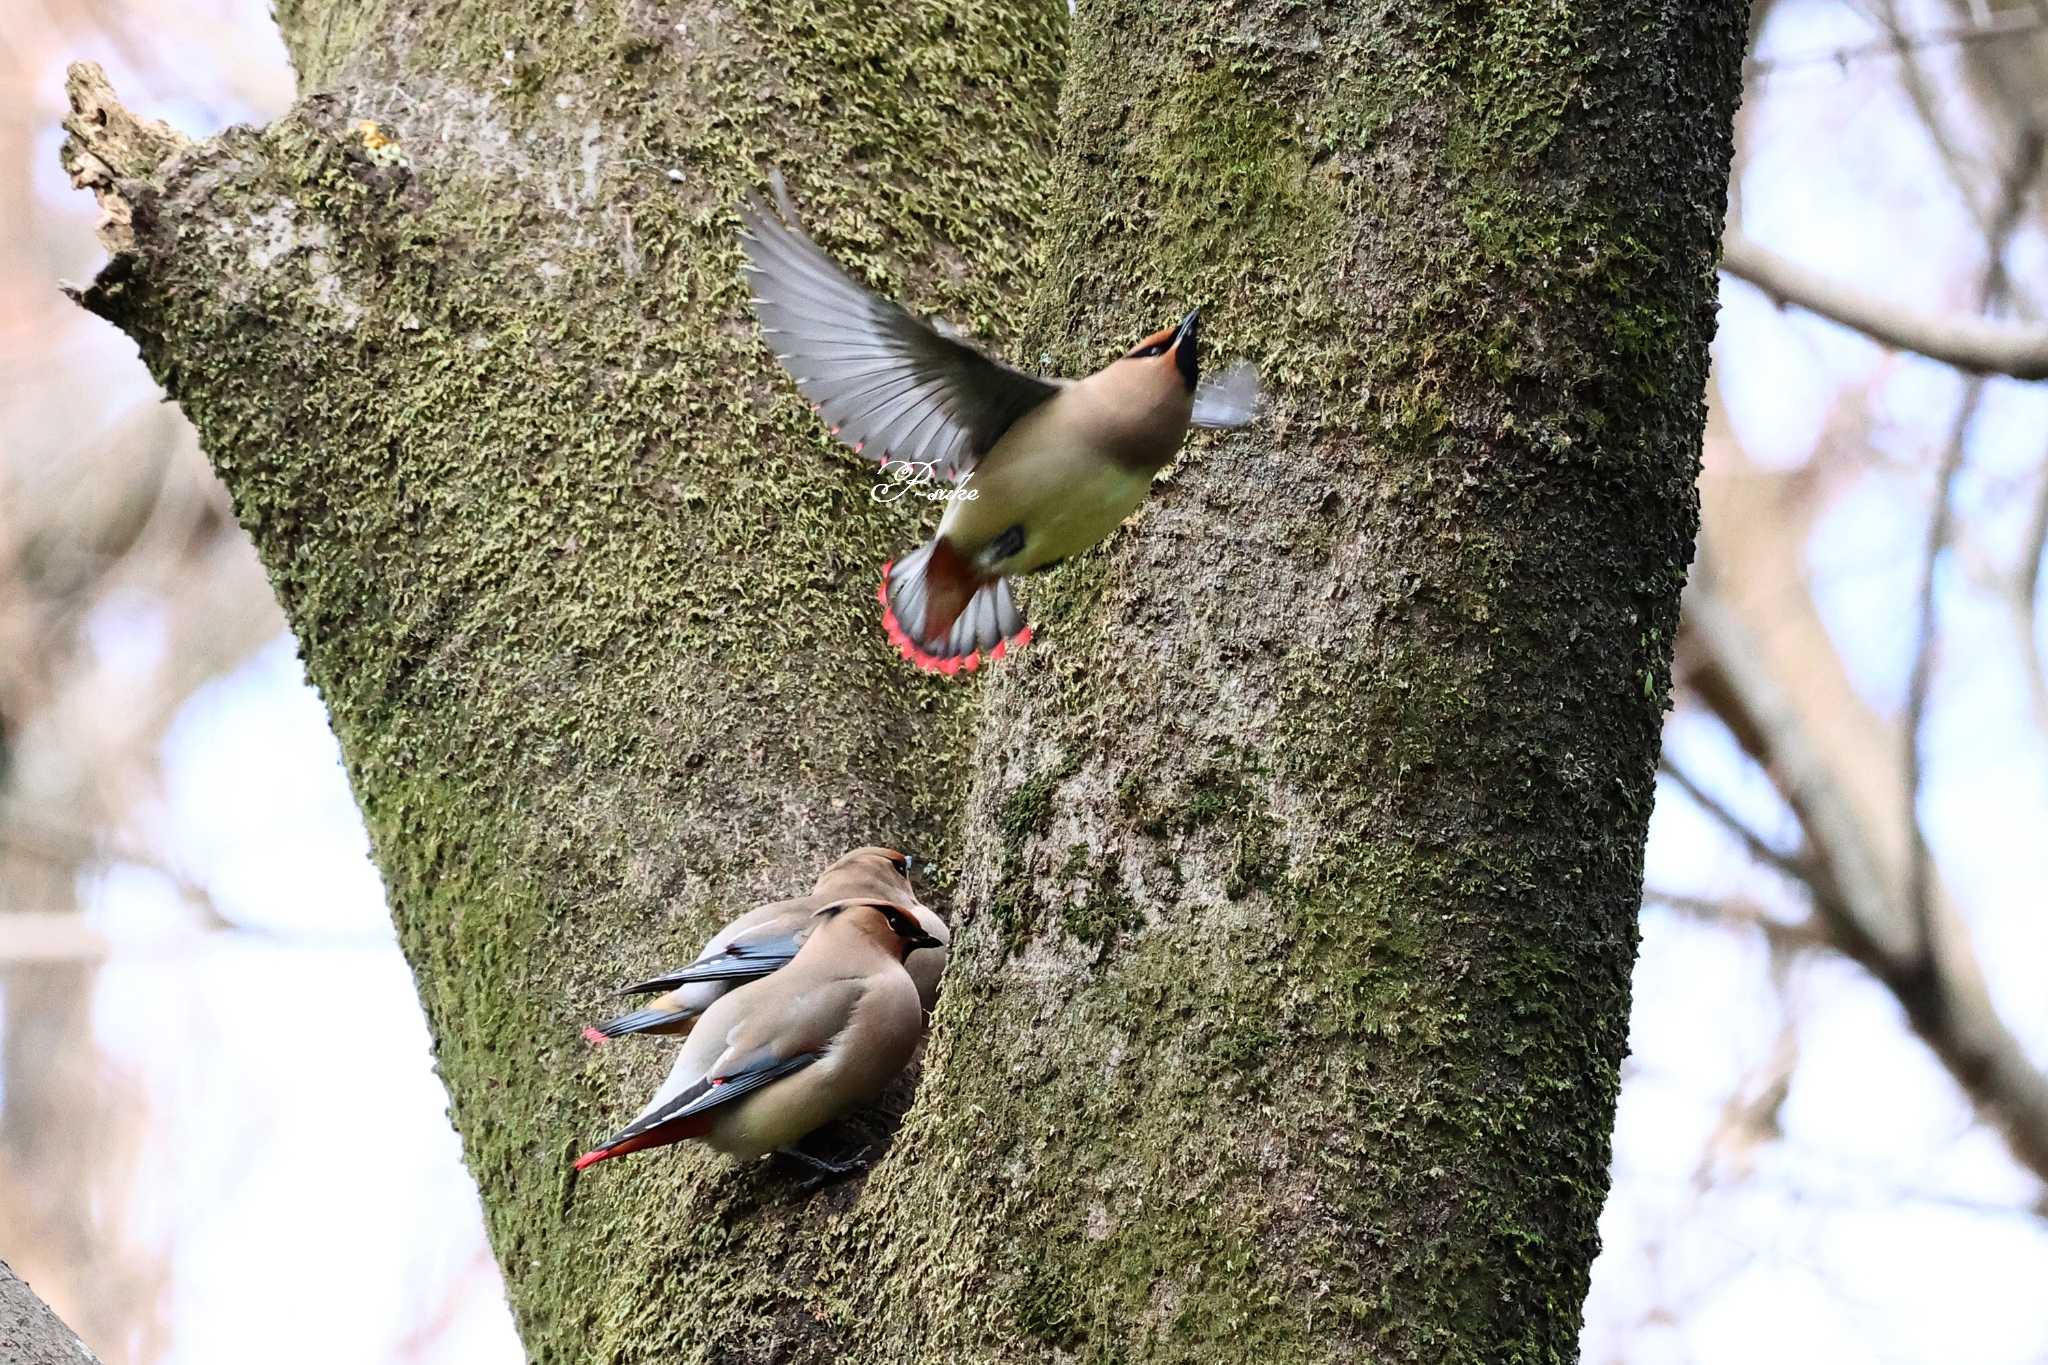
(1359, 697)
(1027, 809)
(321, 35)
(1048, 1308)
(1315, 1055)
(1229, 163)
(587, 591)
(1136, 803)
(1103, 910)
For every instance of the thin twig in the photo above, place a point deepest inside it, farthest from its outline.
(1942, 991)
(1970, 344)
(1928, 107)
(1899, 45)
(1919, 873)
(2033, 565)
(1782, 937)
(1759, 847)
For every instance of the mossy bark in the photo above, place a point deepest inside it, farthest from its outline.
(1299, 862)
(1304, 858)
(587, 591)
(30, 1333)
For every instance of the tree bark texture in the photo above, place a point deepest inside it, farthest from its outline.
(30, 1334)
(1298, 863)
(1304, 861)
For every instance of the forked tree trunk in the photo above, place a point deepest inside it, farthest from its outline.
(1299, 861)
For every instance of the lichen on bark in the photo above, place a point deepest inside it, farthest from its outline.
(1297, 866)
(586, 591)
(1403, 652)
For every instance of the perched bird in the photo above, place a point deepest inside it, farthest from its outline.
(768, 937)
(1046, 467)
(787, 1053)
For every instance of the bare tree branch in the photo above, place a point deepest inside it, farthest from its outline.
(1936, 978)
(51, 936)
(1929, 107)
(1919, 871)
(36, 937)
(1899, 44)
(1751, 1115)
(1760, 848)
(2005, 217)
(2033, 561)
(1782, 937)
(1968, 343)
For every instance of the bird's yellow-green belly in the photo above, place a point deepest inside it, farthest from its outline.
(778, 1115)
(1066, 502)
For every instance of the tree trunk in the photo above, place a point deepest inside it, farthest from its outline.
(30, 1334)
(1306, 855)
(589, 600)
(1299, 862)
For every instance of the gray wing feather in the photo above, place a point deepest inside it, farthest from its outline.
(888, 383)
(713, 1091)
(741, 960)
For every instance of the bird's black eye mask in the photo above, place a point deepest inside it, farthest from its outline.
(904, 926)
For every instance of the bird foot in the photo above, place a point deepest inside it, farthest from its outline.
(824, 1170)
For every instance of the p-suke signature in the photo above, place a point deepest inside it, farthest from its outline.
(915, 479)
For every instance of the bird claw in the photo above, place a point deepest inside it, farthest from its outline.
(824, 1171)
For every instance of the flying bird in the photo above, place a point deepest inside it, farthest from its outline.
(767, 938)
(1045, 468)
(785, 1054)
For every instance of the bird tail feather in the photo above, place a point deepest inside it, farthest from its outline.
(945, 618)
(696, 1125)
(643, 1021)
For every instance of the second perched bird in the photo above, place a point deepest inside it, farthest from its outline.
(767, 937)
(788, 1053)
(1055, 465)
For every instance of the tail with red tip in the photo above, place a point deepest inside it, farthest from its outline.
(696, 1125)
(942, 616)
(642, 1021)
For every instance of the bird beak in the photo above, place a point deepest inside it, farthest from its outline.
(1185, 348)
(920, 940)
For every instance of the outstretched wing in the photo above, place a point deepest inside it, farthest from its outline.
(886, 382)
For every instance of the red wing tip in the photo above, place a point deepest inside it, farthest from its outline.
(929, 662)
(598, 1037)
